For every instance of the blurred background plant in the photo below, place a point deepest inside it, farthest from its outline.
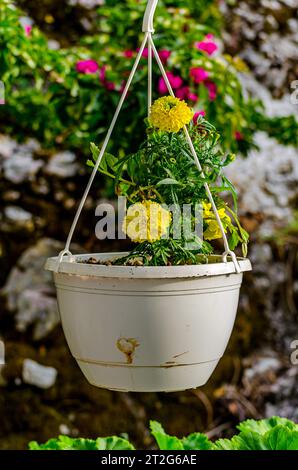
(67, 96)
(63, 63)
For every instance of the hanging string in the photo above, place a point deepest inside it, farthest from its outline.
(149, 73)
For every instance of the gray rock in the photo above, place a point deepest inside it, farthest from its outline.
(262, 366)
(273, 107)
(63, 165)
(53, 44)
(285, 393)
(16, 219)
(17, 214)
(86, 3)
(16, 160)
(38, 375)
(30, 292)
(64, 429)
(264, 34)
(267, 184)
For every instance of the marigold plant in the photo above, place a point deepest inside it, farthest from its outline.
(161, 179)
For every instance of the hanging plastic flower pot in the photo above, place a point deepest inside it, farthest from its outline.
(158, 318)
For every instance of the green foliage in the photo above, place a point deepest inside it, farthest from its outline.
(195, 441)
(283, 128)
(164, 441)
(288, 234)
(166, 252)
(179, 29)
(268, 434)
(68, 443)
(265, 425)
(45, 96)
(163, 168)
(48, 99)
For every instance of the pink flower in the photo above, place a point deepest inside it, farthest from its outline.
(145, 53)
(175, 82)
(164, 55)
(102, 77)
(238, 135)
(198, 74)
(193, 97)
(212, 88)
(162, 87)
(110, 86)
(129, 54)
(88, 66)
(197, 114)
(184, 93)
(28, 30)
(207, 45)
(122, 86)
(102, 74)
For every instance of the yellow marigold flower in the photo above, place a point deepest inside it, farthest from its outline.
(170, 114)
(146, 220)
(213, 231)
(209, 213)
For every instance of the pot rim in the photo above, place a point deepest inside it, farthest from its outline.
(74, 266)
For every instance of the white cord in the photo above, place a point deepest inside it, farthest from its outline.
(149, 73)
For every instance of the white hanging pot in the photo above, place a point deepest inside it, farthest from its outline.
(147, 329)
(143, 328)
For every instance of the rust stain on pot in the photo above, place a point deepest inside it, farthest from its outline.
(168, 364)
(127, 346)
(181, 354)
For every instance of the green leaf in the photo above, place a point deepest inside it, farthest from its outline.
(52, 444)
(196, 441)
(229, 186)
(244, 441)
(90, 163)
(68, 443)
(113, 443)
(95, 151)
(227, 444)
(65, 443)
(234, 238)
(169, 181)
(264, 425)
(268, 434)
(164, 441)
(281, 438)
(108, 162)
